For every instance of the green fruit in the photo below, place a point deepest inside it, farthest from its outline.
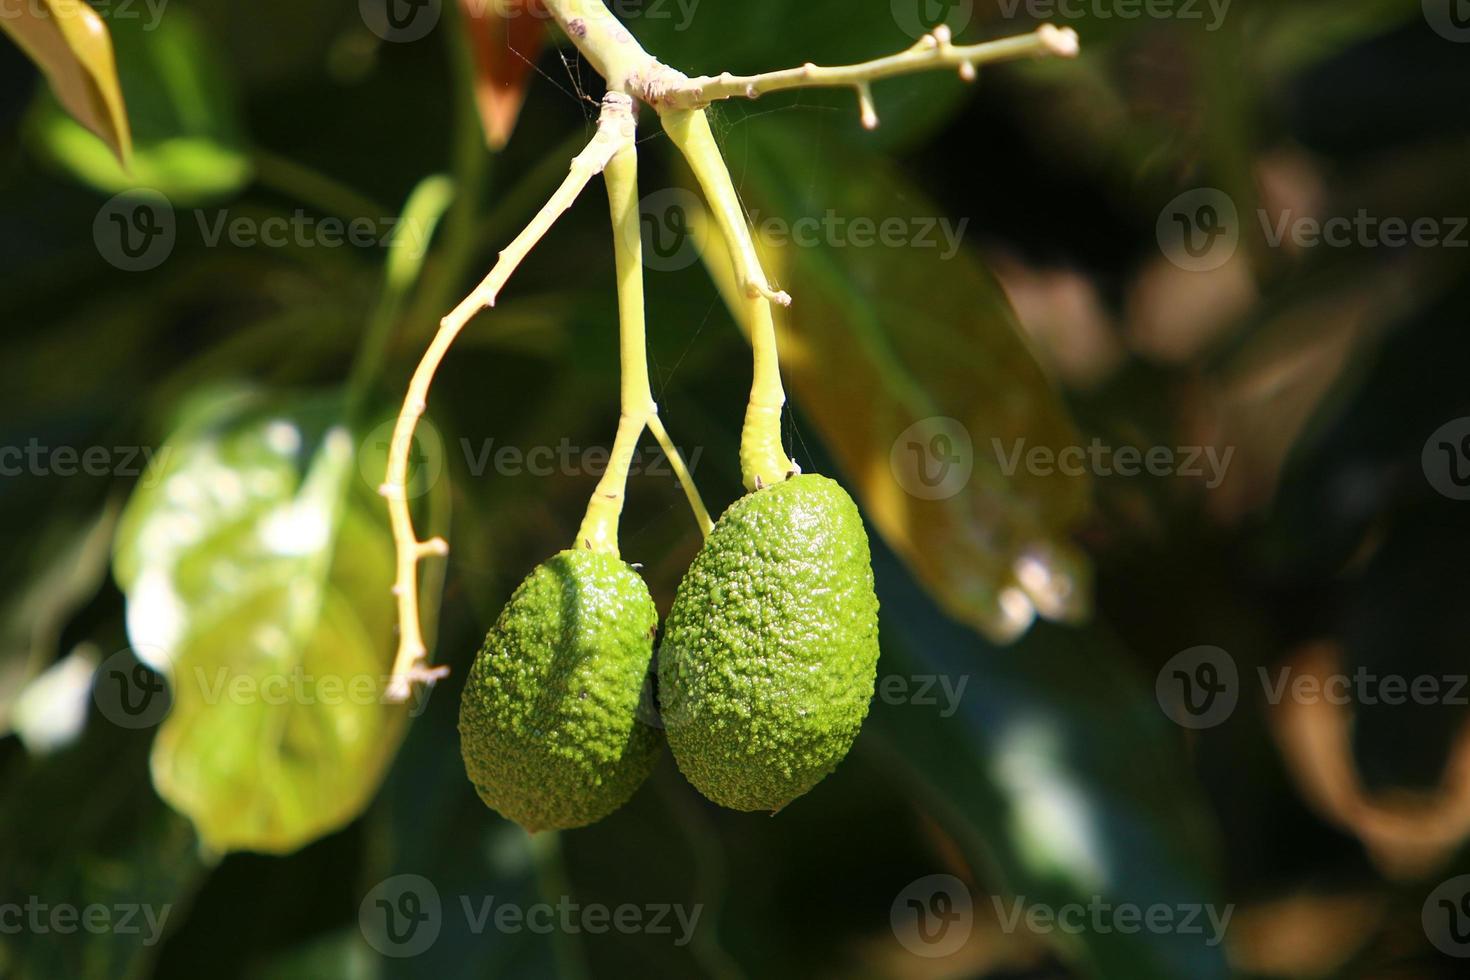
(771, 650)
(553, 726)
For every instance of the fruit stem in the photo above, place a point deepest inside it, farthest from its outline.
(763, 461)
(599, 530)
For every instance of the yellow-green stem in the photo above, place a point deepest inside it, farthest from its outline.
(763, 460)
(599, 530)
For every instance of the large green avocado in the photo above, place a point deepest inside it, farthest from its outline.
(551, 725)
(770, 653)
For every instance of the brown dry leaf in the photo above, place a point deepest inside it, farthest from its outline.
(1407, 834)
(505, 38)
(70, 44)
(903, 351)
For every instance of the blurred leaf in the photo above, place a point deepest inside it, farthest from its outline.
(72, 563)
(69, 43)
(187, 140)
(505, 39)
(1057, 774)
(83, 829)
(909, 360)
(258, 573)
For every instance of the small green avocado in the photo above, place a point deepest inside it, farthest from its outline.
(770, 652)
(554, 723)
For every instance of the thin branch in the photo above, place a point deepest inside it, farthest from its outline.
(615, 130)
(933, 51)
(681, 472)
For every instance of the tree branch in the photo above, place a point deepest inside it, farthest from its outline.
(615, 130)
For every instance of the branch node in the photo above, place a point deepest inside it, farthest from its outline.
(1060, 41)
(865, 105)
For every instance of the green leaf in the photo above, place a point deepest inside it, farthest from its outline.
(186, 139)
(1059, 775)
(907, 357)
(69, 42)
(258, 574)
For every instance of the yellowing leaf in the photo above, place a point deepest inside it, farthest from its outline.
(505, 38)
(70, 44)
(187, 141)
(902, 350)
(258, 573)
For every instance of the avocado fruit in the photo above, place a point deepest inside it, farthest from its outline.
(770, 652)
(556, 721)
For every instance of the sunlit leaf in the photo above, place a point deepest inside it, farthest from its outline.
(70, 44)
(903, 351)
(187, 140)
(505, 38)
(258, 572)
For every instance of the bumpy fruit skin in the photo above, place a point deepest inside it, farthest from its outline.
(770, 652)
(555, 723)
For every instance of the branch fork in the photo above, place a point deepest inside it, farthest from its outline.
(633, 74)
